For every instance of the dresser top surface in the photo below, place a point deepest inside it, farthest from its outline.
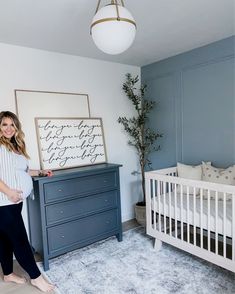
(81, 170)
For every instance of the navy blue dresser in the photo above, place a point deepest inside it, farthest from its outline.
(74, 208)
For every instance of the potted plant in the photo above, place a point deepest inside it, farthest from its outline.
(141, 137)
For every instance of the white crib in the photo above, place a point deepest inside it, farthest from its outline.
(192, 216)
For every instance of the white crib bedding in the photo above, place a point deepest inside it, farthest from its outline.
(189, 218)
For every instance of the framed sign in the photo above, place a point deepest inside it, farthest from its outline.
(70, 142)
(31, 104)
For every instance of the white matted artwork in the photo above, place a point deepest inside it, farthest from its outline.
(31, 104)
(70, 142)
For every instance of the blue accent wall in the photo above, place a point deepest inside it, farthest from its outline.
(195, 92)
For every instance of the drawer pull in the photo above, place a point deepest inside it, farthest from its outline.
(60, 190)
(106, 200)
(61, 211)
(105, 181)
(62, 236)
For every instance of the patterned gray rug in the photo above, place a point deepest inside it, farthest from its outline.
(134, 267)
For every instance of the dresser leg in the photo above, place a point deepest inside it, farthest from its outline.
(119, 236)
(46, 265)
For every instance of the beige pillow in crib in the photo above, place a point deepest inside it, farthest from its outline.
(192, 172)
(218, 175)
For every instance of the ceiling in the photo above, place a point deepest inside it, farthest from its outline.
(164, 27)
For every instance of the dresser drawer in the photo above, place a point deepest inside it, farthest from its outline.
(80, 231)
(80, 207)
(79, 186)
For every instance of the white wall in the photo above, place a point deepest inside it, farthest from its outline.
(25, 68)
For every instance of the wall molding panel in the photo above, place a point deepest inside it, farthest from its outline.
(206, 99)
(202, 84)
(164, 115)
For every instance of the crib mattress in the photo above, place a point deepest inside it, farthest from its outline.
(169, 206)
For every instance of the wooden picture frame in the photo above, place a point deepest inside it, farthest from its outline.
(31, 104)
(70, 142)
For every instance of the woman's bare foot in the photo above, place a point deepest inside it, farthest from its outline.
(42, 284)
(14, 278)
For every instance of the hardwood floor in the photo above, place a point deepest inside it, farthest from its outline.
(131, 224)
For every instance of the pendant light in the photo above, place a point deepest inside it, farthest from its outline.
(113, 28)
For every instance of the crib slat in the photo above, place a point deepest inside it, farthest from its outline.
(201, 218)
(175, 198)
(194, 216)
(224, 224)
(208, 220)
(169, 192)
(164, 206)
(181, 212)
(154, 203)
(216, 222)
(149, 198)
(188, 233)
(159, 204)
(233, 227)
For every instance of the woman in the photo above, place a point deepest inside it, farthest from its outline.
(16, 185)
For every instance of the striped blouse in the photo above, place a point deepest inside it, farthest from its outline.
(13, 172)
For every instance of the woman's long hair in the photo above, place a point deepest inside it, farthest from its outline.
(16, 143)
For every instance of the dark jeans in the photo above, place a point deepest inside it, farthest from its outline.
(13, 239)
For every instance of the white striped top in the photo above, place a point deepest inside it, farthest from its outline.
(13, 172)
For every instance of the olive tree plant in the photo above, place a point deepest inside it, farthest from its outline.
(141, 136)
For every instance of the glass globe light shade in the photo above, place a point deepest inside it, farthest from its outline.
(113, 36)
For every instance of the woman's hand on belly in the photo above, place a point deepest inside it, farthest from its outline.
(14, 195)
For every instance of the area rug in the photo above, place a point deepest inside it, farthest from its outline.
(133, 266)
